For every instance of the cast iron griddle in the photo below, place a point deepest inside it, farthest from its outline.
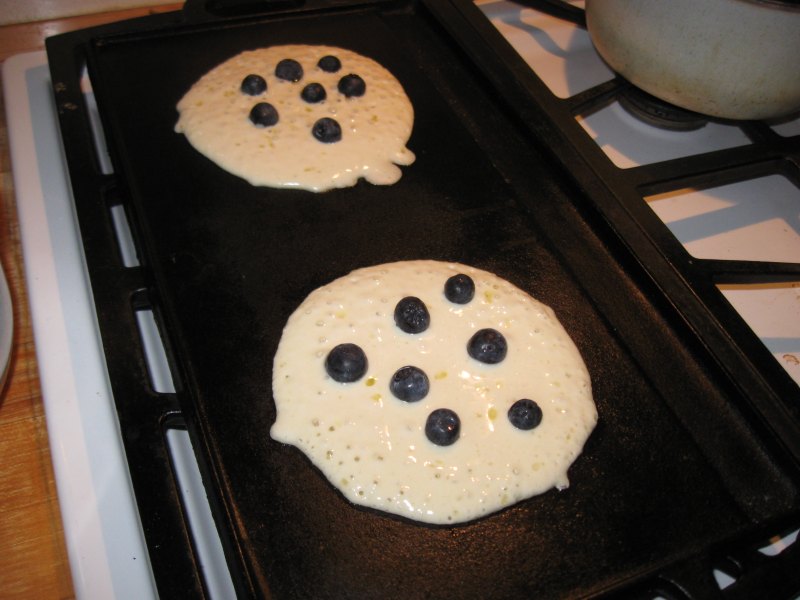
(674, 476)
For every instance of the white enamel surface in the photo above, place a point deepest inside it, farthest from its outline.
(373, 447)
(107, 555)
(214, 116)
(560, 53)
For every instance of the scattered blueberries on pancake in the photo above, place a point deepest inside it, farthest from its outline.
(525, 414)
(346, 363)
(409, 384)
(253, 85)
(443, 427)
(459, 289)
(488, 346)
(411, 315)
(327, 130)
(329, 64)
(313, 93)
(352, 86)
(428, 432)
(289, 69)
(264, 114)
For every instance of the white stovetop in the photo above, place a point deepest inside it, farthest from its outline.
(104, 541)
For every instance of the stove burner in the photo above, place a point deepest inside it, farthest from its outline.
(656, 112)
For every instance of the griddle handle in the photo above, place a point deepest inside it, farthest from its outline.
(201, 11)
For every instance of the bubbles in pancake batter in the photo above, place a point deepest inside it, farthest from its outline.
(332, 129)
(445, 438)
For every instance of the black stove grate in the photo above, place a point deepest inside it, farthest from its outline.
(617, 195)
(769, 153)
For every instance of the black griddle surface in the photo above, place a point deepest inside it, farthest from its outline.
(673, 470)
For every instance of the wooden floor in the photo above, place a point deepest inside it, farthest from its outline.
(33, 557)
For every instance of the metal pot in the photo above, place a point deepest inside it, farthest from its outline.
(735, 59)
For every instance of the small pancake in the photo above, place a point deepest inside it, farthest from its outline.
(300, 148)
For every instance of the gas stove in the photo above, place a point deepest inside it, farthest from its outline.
(740, 231)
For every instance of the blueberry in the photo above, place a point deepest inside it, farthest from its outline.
(443, 427)
(289, 69)
(327, 130)
(352, 85)
(329, 64)
(346, 363)
(409, 384)
(525, 414)
(488, 346)
(459, 289)
(264, 114)
(411, 315)
(253, 85)
(313, 93)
